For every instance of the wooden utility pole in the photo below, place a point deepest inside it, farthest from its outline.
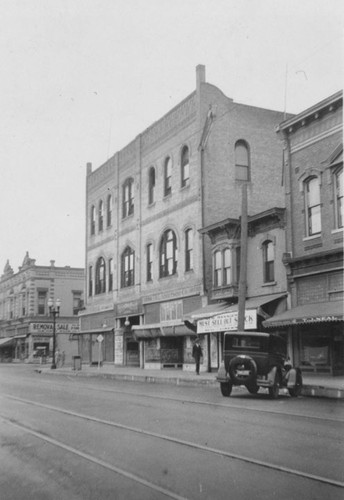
(243, 259)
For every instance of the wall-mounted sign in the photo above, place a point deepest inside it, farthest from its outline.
(226, 322)
(47, 328)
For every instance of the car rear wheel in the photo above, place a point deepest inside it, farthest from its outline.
(226, 389)
(274, 390)
(296, 390)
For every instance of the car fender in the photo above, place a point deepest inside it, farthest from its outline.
(291, 377)
(272, 375)
(222, 375)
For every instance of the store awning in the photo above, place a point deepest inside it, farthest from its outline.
(212, 310)
(155, 330)
(95, 331)
(323, 312)
(6, 341)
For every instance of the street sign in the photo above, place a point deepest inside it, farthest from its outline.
(100, 338)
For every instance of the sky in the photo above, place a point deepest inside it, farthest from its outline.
(80, 79)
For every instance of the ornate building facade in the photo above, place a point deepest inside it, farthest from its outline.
(313, 166)
(26, 328)
(148, 264)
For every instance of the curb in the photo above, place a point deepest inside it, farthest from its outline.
(307, 390)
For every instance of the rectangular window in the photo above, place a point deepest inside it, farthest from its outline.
(227, 271)
(338, 198)
(218, 269)
(42, 298)
(313, 207)
(77, 303)
(149, 262)
(90, 281)
(188, 250)
(110, 275)
(167, 177)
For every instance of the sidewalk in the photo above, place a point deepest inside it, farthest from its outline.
(313, 385)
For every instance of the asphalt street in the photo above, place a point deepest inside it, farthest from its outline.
(79, 438)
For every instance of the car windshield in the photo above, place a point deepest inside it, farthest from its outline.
(246, 342)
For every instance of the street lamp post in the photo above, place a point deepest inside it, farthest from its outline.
(54, 311)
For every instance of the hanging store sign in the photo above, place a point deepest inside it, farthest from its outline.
(227, 322)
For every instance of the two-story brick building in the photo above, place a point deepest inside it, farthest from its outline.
(26, 328)
(313, 166)
(147, 264)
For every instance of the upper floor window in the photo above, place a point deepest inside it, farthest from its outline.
(151, 185)
(101, 216)
(90, 281)
(128, 197)
(242, 161)
(149, 262)
(338, 197)
(268, 261)
(100, 276)
(188, 250)
(110, 275)
(168, 176)
(42, 300)
(222, 267)
(127, 267)
(168, 254)
(109, 207)
(93, 220)
(313, 208)
(185, 168)
(77, 302)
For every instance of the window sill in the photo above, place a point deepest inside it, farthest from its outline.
(313, 237)
(167, 196)
(183, 188)
(269, 283)
(151, 205)
(336, 231)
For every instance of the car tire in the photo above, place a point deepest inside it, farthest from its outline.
(274, 390)
(249, 364)
(252, 388)
(296, 390)
(226, 389)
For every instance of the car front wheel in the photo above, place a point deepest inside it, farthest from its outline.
(226, 389)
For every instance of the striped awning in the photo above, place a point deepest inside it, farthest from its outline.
(324, 312)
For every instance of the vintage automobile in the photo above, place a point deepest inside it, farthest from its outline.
(257, 359)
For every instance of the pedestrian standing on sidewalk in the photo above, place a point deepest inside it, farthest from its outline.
(197, 353)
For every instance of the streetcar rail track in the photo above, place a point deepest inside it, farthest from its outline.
(190, 444)
(97, 461)
(228, 404)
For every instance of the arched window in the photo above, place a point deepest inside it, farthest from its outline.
(127, 268)
(338, 197)
(128, 197)
(168, 254)
(168, 176)
(110, 275)
(90, 281)
(101, 216)
(268, 261)
(109, 206)
(100, 276)
(185, 168)
(149, 262)
(242, 161)
(93, 220)
(312, 208)
(151, 185)
(188, 250)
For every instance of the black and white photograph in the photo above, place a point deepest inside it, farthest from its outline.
(171, 250)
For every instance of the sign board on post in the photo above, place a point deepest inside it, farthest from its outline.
(227, 322)
(100, 339)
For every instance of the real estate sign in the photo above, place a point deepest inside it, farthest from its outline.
(227, 321)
